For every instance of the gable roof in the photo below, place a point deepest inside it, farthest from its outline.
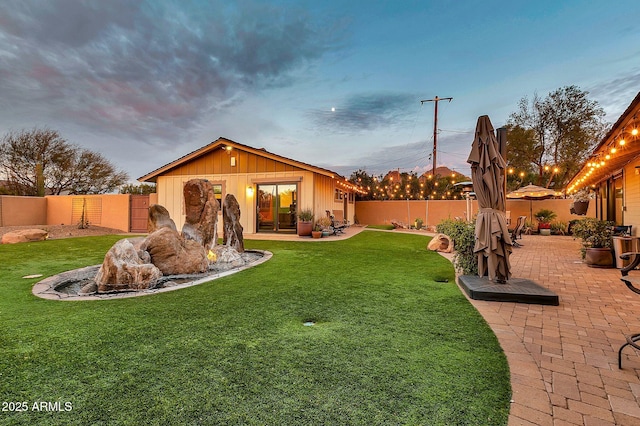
(224, 143)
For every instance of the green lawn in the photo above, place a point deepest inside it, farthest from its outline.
(390, 345)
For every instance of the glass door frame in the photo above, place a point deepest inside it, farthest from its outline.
(278, 218)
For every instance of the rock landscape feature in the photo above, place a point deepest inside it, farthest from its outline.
(138, 263)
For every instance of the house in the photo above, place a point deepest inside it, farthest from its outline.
(271, 189)
(613, 171)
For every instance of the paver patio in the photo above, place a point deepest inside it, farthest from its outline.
(563, 359)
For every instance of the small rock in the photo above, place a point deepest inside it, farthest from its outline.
(441, 243)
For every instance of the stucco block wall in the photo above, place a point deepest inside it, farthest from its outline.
(21, 211)
(435, 211)
(111, 210)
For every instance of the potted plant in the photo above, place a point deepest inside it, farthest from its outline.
(597, 242)
(559, 228)
(418, 223)
(544, 218)
(317, 231)
(580, 202)
(324, 223)
(305, 222)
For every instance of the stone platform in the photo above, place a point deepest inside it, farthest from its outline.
(518, 290)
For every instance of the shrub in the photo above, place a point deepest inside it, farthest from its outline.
(463, 235)
(559, 227)
(594, 233)
(324, 222)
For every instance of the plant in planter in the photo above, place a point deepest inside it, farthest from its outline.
(544, 218)
(305, 222)
(596, 241)
(580, 202)
(559, 228)
(317, 231)
(324, 224)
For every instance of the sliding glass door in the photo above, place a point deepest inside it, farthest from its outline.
(277, 207)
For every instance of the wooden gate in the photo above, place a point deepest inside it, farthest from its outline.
(138, 213)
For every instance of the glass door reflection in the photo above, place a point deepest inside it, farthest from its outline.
(277, 207)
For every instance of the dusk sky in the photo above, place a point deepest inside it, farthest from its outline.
(337, 84)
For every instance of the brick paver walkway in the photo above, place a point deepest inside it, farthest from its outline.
(563, 359)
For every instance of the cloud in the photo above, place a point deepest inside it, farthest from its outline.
(150, 70)
(616, 94)
(363, 112)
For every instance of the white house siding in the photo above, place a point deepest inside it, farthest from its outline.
(170, 194)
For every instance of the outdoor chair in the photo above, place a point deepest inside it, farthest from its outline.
(632, 282)
(517, 231)
(338, 228)
(621, 231)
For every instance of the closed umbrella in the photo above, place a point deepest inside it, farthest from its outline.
(531, 192)
(493, 242)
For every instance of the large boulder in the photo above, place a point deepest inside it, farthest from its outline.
(201, 210)
(441, 243)
(24, 236)
(232, 236)
(159, 218)
(124, 268)
(173, 254)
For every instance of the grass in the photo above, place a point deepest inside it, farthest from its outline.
(390, 345)
(383, 227)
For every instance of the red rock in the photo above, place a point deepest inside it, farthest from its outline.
(123, 269)
(24, 236)
(232, 236)
(201, 209)
(173, 254)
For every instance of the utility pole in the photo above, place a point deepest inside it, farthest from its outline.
(435, 127)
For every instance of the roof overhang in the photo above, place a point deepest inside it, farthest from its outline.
(228, 144)
(618, 148)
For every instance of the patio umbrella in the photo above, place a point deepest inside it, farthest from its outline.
(493, 241)
(531, 192)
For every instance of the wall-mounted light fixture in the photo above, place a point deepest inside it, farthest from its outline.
(249, 191)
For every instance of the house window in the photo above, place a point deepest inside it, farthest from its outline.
(217, 190)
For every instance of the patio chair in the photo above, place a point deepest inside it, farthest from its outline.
(517, 231)
(632, 282)
(338, 227)
(621, 231)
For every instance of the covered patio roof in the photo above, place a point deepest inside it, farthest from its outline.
(619, 147)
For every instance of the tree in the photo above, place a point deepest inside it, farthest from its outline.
(555, 135)
(40, 161)
(401, 186)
